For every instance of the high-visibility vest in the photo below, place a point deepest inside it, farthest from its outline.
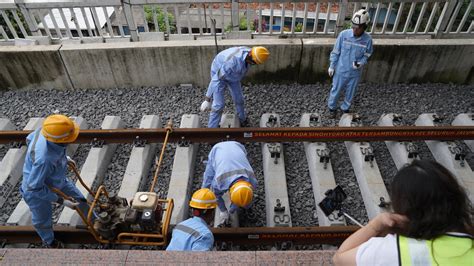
(450, 249)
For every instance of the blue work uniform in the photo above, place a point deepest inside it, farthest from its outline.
(227, 163)
(227, 70)
(45, 167)
(348, 49)
(192, 234)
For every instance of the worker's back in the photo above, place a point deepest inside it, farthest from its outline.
(230, 64)
(192, 234)
(45, 164)
(228, 159)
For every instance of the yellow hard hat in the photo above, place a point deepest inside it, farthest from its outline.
(203, 199)
(241, 193)
(60, 129)
(259, 54)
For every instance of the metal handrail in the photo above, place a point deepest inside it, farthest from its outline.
(127, 19)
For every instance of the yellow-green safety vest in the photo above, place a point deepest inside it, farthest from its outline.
(450, 249)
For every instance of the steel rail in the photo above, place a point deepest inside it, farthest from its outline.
(243, 235)
(281, 134)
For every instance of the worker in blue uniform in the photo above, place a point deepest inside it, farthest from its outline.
(350, 54)
(228, 68)
(194, 234)
(228, 170)
(45, 169)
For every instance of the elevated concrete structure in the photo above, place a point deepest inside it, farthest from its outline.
(320, 170)
(448, 153)
(135, 64)
(465, 120)
(228, 121)
(22, 215)
(402, 152)
(32, 66)
(93, 170)
(11, 167)
(140, 161)
(366, 170)
(183, 172)
(276, 190)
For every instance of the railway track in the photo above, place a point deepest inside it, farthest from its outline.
(284, 197)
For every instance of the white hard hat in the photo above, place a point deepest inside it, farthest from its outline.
(361, 17)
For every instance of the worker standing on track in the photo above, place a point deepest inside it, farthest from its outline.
(228, 169)
(194, 234)
(44, 169)
(227, 70)
(350, 53)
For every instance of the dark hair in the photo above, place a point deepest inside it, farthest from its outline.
(432, 199)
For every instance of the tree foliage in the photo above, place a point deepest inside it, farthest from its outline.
(10, 16)
(161, 19)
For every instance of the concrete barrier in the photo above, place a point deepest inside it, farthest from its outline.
(112, 65)
(32, 66)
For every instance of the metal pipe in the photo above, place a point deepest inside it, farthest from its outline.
(76, 172)
(169, 129)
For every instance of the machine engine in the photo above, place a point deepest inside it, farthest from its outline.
(115, 215)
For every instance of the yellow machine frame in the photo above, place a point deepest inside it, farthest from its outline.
(127, 238)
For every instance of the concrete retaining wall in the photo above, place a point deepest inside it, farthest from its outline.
(32, 66)
(112, 65)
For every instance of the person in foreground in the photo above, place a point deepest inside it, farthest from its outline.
(194, 234)
(431, 223)
(45, 169)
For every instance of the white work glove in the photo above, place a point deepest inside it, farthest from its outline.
(68, 203)
(71, 161)
(331, 71)
(356, 65)
(205, 106)
(223, 217)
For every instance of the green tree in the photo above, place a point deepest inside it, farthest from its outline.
(14, 24)
(461, 13)
(299, 27)
(160, 17)
(242, 25)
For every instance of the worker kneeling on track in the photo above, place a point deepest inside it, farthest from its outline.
(194, 234)
(228, 169)
(45, 168)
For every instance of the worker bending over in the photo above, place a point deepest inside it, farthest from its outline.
(194, 234)
(228, 68)
(45, 168)
(228, 169)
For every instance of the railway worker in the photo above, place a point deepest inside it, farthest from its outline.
(432, 223)
(350, 54)
(228, 68)
(228, 169)
(194, 234)
(45, 168)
